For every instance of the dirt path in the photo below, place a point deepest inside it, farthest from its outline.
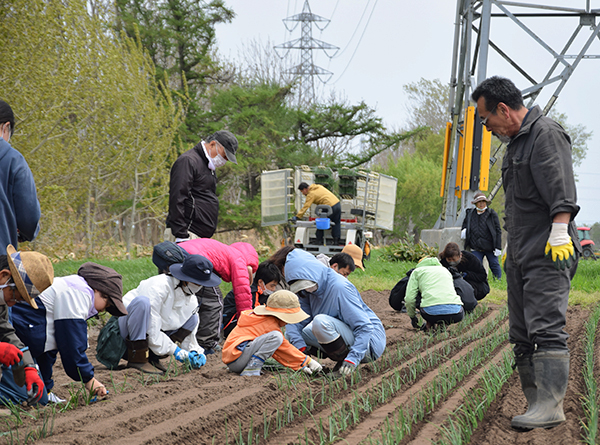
(212, 405)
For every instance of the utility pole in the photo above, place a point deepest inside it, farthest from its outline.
(474, 46)
(306, 70)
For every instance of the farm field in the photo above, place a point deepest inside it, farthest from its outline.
(425, 389)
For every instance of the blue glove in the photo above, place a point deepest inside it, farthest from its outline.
(294, 218)
(181, 354)
(196, 359)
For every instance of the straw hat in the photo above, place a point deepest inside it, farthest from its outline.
(32, 273)
(356, 253)
(284, 305)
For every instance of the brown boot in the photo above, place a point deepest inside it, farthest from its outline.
(137, 357)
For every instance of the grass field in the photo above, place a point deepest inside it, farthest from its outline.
(379, 275)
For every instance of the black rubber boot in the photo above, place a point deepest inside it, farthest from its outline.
(525, 369)
(337, 351)
(550, 377)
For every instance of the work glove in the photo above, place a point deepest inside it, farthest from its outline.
(347, 367)
(559, 247)
(497, 252)
(181, 354)
(414, 321)
(312, 366)
(9, 354)
(294, 218)
(197, 359)
(463, 234)
(34, 385)
(181, 240)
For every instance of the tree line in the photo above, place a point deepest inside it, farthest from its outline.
(108, 94)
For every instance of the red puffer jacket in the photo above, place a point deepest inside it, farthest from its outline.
(230, 263)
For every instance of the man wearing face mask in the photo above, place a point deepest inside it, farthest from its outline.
(193, 201)
(482, 233)
(162, 317)
(19, 205)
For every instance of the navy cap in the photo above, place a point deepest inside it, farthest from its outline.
(196, 269)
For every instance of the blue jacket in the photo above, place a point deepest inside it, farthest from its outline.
(59, 324)
(19, 206)
(336, 297)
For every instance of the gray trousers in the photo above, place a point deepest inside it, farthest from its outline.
(210, 302)
(263, 347)
(538, 295)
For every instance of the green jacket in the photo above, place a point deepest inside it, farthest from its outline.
(434, 282)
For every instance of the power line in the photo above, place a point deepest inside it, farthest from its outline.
(357, 45)
(355, 29)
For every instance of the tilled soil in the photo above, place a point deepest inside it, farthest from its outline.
(213, 406)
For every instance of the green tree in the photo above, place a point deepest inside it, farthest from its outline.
(92, 122)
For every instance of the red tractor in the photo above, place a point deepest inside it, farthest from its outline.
(586, 242)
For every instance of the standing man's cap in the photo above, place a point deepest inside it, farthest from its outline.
(108, 281)
(229, 142)
(32, 273)
(356, 253)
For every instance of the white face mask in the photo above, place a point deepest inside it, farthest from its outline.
(481, 210)
(218, 161)
(5, 129)
(193, 288)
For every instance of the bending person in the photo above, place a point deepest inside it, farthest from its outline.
(439, 301)
(469, 266)
(340, 323)
(258, 337)
(163, 312)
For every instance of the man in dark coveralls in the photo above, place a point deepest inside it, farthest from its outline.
(543, 247)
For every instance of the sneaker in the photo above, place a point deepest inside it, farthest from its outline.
(53, 398)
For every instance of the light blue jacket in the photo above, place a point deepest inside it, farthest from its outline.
(336, 297)
(19, 206)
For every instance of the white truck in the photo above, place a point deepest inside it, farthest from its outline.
(367, 199)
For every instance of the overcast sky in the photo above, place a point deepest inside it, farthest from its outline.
(385, 44)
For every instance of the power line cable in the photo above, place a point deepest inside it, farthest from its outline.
(358, 44)
(355, 29)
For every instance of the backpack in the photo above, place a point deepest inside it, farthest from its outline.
(166, 254)
(399, 292)
(111, 345)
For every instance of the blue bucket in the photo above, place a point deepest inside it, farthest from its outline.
(322, 223)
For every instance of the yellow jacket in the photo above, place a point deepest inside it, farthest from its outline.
(317, 194)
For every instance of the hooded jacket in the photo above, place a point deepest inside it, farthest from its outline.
(193, 202)
(230, 263)
(170, 308)
(434, 282)
(19, 205)
(250, 326)
(336, 297)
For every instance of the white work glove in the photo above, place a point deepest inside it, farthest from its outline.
(463, 234)
(497, 252)
(559, 247)
(181, 240)
(347, 367)
(312, 366)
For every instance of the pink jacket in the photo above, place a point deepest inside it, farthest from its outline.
(230, 263)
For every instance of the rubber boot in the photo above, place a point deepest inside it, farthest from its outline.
(525, 369)
(253, 367)
(337, 351)
(550, 376)
(154, 360)
(137, 357)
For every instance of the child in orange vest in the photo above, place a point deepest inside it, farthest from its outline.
(258, 336)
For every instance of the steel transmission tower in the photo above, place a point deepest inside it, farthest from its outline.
(306, 70)
(545, 67)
